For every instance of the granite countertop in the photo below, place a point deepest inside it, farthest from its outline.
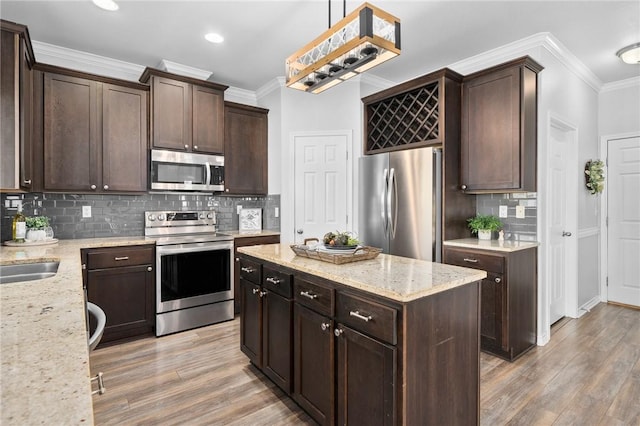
(44, 376)
(495, 245)
(397, 278)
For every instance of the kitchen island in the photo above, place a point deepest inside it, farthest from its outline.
(390, 340)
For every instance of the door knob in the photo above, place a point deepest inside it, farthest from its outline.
(566, 234)
(299, 231)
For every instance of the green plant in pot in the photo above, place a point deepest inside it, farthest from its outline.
(483, 225)
(38, 228)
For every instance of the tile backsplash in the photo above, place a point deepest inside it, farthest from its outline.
(123, 215)
(525, 229)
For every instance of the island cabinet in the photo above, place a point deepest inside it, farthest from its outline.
(121, 281)
(187, 114)
(243, 241)
(266, 320)
(246, 150)
(95, 133)
(508, 298)
(16, 107)
(499, 128)
(363, 358)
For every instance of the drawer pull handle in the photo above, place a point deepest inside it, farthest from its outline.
(262, 293)
(466, 259)
(272, 280)
(337, 332)
(121, 258)
(358, 315)
(309, 295)
(247, 270)
(256, 290)
(325, 326)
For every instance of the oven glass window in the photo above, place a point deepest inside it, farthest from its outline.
(179, 173)
(195, 274)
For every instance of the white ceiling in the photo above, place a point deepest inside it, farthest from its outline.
(260, 35)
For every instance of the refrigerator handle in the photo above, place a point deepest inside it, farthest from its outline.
(392, 195)
(383, 205)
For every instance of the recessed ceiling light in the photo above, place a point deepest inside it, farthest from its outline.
(630, 54)
(214, 38)
(106, 4)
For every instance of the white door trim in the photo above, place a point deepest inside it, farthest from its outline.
(544, 287)
(289, 209)
(604, 231)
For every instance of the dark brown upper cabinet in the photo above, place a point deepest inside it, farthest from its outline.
(95, 133)
(499, 123)
(16, 78)
(187, 114)
(245, 130)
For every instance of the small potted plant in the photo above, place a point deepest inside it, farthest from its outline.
(483, 225)
(37, 227)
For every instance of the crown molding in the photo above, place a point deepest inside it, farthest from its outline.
(186, 70)
(377, 82)
(84, 61)
(243, 96)
(274, 84)
(629, 83)
(522, 47)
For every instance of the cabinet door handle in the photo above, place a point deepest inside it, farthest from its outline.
(106, 187)
(26, 182)
(357, 314)
(195, 147)
(325, 326)
(237, 259)
(463, 187)
(309, 295)
(117, 258)
(466, 259)
(256, 290)
(186, 146)
(262, 293)
(247, 270)
(337, 332)
(498, 280)
(149, 268)
(272, 280)
(93, 187)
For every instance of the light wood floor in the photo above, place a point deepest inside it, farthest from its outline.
(589, 374)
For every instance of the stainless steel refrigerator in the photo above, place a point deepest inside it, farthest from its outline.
(400, 203)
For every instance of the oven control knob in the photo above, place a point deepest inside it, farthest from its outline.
(152, 217)
(209, 215)
(201, 216)
(161, 217)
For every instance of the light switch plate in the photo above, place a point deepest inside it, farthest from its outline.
(238, 208)
(520, 212)
(503, 212)
(277, 212)
(86, 211)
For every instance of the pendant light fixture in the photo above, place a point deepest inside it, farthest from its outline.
(363, 39)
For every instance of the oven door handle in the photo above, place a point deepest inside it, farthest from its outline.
(191, 248)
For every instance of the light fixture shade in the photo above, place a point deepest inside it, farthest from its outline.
(363, 39)
(630, 54)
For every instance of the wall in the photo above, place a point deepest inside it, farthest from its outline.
(122, 215)
(619, 108)
(524, 229)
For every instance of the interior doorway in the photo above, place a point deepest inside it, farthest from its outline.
(621, 213)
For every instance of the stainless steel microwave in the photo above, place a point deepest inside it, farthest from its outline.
(186, 171)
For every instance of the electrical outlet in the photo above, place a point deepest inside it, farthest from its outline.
(504, 211)
(238, 208)
(277, 212)
(86, 211)
(519, 212)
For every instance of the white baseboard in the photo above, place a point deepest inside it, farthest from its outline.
(588, 306)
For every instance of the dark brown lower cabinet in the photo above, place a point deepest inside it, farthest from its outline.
(243, 242)
(314, 364)
(493, 312)
(266, 322)
(362, 359)
(121, 281)
(366, 380)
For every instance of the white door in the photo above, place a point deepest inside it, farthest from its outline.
(320, 185)
(561, 242)
(623, 211)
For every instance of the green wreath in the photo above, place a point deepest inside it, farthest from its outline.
(594, 176)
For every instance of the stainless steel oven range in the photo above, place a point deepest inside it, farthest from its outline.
(194, 270)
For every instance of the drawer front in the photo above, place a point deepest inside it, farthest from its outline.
(314, 296)
(369, 317)
(475, 260)
(250, 270)
(276, 281)
(115, 257)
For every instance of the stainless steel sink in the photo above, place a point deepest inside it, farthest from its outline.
(27, 271)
